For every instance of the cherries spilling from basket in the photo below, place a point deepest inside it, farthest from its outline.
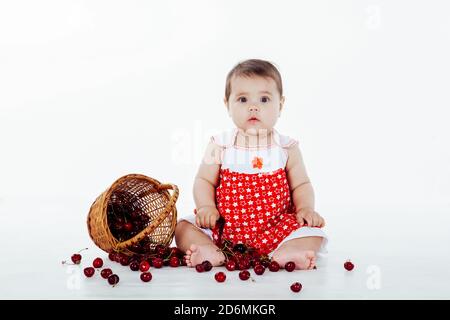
(126, 219)
(157, 257)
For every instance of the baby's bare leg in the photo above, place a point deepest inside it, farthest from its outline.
(302, 251)
(197, 245)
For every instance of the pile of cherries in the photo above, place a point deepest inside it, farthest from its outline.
(241, 257)
(158, 257)
(126, 219)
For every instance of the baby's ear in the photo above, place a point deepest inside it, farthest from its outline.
(281, 103)
(225, 102)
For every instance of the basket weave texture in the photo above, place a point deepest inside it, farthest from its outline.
(146, 200)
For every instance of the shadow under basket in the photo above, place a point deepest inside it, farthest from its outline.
(134, 215)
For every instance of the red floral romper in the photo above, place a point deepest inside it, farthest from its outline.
(253, 196)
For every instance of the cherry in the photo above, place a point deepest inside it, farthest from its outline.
(175, 252)
(244, 275)
(255, 262)
(220, 276)
(296, 287)
(265, 263)
(113, 279)
(157, 262)
(76, 257)
(244, 264)
(274, 266)
(349, 265)
(146, 276)
(240, 247)
(112, 256)
(161, 250)
(200, 267)
(118, 256)
(207, 266)
(128, 226)
(144, 266)
(106, 273)
(124, 260)
(97, 263)
(289, 266)
(230, 265)
(89, 272)
(259, 269)
(134, 266)
(174, 262)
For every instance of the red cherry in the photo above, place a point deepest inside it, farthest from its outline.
(244, 264)
(174, 262)
(274, 266)
(106, 273)
(144, 266)
(113, 279)
(97, 263)
(162, 250)
(289, 266)
(157, 262)
(230, 265)
(89, 272)
(207, 266)
(76, 258)
(296, 287)
(259, 269)
(220, 276)
(128, 226)
(124, 260)
(244, 275)
(112, 256)
(146, 276)
(349, 265)
(200, 267)
(134, 266)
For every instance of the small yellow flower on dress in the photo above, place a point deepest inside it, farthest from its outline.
(257, 162)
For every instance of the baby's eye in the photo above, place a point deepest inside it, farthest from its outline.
(265, 99)
(242, 99)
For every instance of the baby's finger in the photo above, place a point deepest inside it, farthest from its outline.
(308, 220)
(300, 220)
(200, 221)
(197, 221)
(212, 221)
(321, 222)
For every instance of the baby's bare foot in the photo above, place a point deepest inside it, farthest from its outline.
(199, 253)
(304, 259)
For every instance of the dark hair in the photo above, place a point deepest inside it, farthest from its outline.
(254, 67)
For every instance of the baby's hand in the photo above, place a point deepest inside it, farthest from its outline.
(207, 217)
(310, 217)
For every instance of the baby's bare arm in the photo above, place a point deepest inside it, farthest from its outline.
(207, 177)
(302, 191)
(205, 184)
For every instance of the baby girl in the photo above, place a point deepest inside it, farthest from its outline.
(254, 180)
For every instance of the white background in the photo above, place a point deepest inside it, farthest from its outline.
(93, 90)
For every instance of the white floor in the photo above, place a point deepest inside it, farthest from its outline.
(404, 257)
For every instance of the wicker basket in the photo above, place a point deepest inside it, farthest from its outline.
(142, 196)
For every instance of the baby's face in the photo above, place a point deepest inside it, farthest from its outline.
(254, 104)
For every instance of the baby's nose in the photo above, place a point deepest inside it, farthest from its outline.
(253, 107)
